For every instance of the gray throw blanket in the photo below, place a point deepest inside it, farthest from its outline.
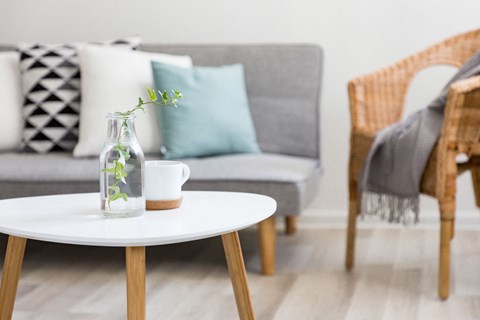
(392, 173)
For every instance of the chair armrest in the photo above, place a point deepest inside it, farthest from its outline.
(461, 125)
(460, 132)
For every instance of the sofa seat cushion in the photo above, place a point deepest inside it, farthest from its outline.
(251, 167)
(62, 166)
(55, 166)
(292, 181)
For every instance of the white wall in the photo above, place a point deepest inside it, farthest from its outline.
(358, 37)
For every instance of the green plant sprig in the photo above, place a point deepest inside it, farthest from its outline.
(118, 170)
(165, 99)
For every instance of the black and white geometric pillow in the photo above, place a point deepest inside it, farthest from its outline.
(51, 88)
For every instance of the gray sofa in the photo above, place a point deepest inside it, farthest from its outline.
(283, 85)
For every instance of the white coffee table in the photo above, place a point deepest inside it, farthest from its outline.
(76, 219)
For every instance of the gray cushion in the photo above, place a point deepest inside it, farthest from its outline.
(251, 167)
(291, 197)
(60, 166)
(292, 181)
(54, 166)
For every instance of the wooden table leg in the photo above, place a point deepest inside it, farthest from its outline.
(236, 267)
(136, 304)
(11, 275)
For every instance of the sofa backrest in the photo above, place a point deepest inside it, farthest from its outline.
(283, 85)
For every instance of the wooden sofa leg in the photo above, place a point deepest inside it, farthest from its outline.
(290, 225)
(267, 236)
(444, 265)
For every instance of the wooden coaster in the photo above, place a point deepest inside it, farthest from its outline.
(163, 204)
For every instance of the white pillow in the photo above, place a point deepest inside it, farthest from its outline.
(11, 120)
(112, 80)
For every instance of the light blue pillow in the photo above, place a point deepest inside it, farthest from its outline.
(213, 118)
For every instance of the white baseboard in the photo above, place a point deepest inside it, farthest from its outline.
(465, 220)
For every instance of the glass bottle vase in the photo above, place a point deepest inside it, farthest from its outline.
(122, 166)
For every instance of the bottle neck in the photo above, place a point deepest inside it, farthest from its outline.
(121, 129)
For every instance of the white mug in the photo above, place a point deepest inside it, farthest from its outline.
(164, 179)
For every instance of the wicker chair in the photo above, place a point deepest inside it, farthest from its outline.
(376, 101)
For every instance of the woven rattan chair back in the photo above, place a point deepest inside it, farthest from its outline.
(377, 99)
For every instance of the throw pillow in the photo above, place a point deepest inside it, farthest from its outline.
(214, 117)
(112, 80)
(11, 123)
(51, 88)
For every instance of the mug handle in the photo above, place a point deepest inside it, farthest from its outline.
(186, 173)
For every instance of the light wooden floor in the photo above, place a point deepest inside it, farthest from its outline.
(395, 278)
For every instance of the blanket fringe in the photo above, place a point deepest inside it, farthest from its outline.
(389, 207)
